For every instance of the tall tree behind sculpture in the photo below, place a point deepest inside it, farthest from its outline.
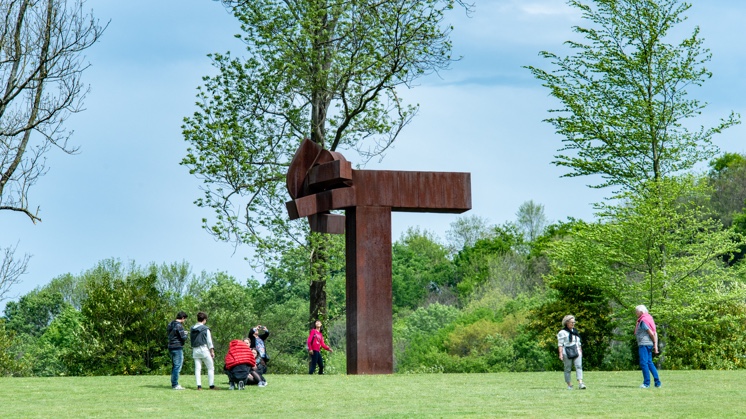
(324, 69)
(40, 86)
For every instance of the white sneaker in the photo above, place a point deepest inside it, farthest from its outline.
(178, 387)
(231, 386)
(262, 384)
(240, 385)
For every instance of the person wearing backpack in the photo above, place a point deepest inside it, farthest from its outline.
(570, 352)
(203, 351)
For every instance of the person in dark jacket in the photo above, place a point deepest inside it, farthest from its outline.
(258, 336)
(176, 337)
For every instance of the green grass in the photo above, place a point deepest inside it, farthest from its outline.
(684, 394)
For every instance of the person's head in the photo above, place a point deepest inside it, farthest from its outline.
(318, 325)
(201, 317)
(568, 321)
(181, 316)
(247, 340)
(641, 309)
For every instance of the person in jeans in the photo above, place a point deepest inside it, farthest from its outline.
(647, 344)
(203, 351)
(176, 337)
(314, 343)
(569, 336)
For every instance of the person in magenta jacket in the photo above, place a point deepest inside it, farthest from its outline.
(315, 343)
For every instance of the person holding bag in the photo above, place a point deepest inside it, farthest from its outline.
(570, 352)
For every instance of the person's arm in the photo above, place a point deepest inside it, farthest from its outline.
(310, 339)
(560, 344)
(182, 333)
(264, 335)
(323, 345)
(209, 343)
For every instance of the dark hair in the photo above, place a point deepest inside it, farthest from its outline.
(201, 316)
(181, 315)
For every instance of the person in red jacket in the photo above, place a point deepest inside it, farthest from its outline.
(240, 365)
(315, 343)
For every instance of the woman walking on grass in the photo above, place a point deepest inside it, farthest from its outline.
(568, 341)
(647, 344)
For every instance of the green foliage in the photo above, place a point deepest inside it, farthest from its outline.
(9, 366)
(123, 329)
(420, 268)
(229, 309)
(33, 312)
(624, 94)
(472, 263)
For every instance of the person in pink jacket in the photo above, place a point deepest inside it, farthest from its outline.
(315, 343)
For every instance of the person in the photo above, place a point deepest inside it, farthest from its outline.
(314, 343)
(261, 369)
(176, 337)
(258, 336)
(203, 351)
(569, 337)
(240, 365)
(647, 343)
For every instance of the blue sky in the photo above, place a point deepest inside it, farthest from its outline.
(125, 196)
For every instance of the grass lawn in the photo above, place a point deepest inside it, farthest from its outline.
(684, 394)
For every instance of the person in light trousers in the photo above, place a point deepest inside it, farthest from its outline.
(568, 337)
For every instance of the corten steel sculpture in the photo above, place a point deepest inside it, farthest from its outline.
(320, 181)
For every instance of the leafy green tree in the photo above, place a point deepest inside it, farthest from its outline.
(624, 94)
(229, 309)
(420, 268)
(33, 312)
(472, 267)
(328, 70)
(465, 231)
(123, 327)
(728, 179)
(531, 220)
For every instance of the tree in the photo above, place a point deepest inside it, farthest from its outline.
(11, 269)
(420, 269)
(40, 71)
(465, 231)
(325, 69)
(531, 221)
(624, 118)
(728, 179)
(123, 322)
(624, 94)
(40, 86)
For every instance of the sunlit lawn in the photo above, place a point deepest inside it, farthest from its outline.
(610, 394)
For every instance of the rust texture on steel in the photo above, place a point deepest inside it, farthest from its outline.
(320, 181)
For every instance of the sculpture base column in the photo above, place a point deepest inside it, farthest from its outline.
(370, 347)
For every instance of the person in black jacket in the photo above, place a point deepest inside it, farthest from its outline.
(258, 336)
(176, 338)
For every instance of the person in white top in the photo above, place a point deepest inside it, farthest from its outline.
(570, 352)
(203, 351)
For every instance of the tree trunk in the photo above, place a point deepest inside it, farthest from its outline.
(318, 306)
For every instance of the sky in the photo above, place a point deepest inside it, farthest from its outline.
(125, 196)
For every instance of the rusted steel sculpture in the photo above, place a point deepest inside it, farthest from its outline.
(320, 181)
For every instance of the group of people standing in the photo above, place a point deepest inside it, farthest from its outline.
(571, 354)
(245, 362)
